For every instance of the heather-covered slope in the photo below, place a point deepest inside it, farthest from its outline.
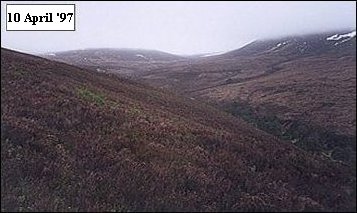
(300, 88)
(73, 139)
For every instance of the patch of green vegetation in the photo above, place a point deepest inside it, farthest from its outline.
(135, 110)
(113, 104)
(303, 135)
(19, 72)
(92, 96)
(268, 123)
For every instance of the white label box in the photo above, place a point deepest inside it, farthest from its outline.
(40, 17)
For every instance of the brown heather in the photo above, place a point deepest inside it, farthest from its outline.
(78, 140)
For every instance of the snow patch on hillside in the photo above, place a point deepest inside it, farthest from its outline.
(141, 56)
(341, 38)
(281, 44)
(337, 37)
(212, 54)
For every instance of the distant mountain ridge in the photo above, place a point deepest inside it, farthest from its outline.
(115, 54)
(332, 42)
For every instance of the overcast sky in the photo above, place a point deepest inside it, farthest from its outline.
(182, 27)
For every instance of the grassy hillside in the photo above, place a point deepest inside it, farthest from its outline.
(77, 140)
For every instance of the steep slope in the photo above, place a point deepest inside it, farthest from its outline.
(77, 140)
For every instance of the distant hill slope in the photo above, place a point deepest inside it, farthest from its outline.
(300, 88)
(342, 42)
(77, 140)
(111, 54)
(126, 61)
